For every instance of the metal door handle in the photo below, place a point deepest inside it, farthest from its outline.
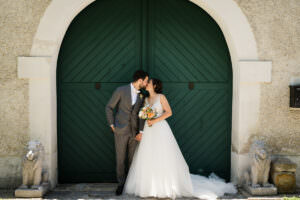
(97, 85)
(191, 85)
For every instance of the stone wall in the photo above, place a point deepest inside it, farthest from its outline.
(19, 20)
(276, 26)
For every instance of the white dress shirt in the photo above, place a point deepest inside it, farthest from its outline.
(134, 93)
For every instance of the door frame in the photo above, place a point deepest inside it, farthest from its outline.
(248, 73)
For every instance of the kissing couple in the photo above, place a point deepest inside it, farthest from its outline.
(157, 167)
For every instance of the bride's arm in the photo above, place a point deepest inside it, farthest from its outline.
(167, 110)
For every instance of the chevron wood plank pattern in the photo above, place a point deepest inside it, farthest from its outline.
(175, 41)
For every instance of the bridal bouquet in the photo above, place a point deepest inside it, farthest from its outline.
(147, 113)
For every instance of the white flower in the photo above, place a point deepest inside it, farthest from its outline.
(144, 115)
(140, 114)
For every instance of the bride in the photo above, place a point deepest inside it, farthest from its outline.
(158, 168)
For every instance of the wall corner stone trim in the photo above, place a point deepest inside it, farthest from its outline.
(34, 67)
(255, 71)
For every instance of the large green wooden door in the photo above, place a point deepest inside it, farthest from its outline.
(189, 54)
(175, 41)
(101, 49)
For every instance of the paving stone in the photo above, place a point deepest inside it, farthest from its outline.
(106, 191)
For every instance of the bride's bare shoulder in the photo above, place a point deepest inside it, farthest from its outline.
(162, 97)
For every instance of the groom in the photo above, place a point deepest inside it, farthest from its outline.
(126, 125)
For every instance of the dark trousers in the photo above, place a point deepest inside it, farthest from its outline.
(125, 144)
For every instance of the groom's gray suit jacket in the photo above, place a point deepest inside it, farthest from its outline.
(126, 120)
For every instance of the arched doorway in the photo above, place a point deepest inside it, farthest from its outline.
(41, 65)
(173, 40)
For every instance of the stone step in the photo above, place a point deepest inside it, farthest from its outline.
(105, 191)
(101, 187)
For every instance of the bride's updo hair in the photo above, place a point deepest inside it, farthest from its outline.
(157, 84)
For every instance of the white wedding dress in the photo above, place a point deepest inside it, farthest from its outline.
(158, 168)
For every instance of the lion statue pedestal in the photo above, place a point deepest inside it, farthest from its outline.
(256, 177)
(35, 179)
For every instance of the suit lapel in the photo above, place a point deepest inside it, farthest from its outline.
(129, 95)
(137, 103)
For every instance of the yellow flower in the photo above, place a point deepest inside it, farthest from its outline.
(150, 115)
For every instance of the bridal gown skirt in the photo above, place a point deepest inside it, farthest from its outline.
(158, 169)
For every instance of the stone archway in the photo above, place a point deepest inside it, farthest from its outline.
(40, 68)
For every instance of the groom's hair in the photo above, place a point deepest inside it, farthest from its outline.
(139, 74)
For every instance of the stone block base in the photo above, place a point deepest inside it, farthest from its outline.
(284, 181)
(33, 193)
(272, 190)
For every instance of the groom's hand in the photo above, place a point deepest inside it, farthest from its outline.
(138, 137)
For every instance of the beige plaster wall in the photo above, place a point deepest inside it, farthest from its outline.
(19, 20)
(276, 26)
(275, 23)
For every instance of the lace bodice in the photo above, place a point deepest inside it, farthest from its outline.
(156, 105)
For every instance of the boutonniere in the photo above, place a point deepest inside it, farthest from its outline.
(141, 96)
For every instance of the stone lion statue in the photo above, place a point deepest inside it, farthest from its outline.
(33, 173)
(258, 173)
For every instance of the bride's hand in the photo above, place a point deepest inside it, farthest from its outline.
(151, 122)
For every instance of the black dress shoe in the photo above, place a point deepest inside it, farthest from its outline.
(119, 190)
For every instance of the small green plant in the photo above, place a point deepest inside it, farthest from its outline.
(291, 198)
